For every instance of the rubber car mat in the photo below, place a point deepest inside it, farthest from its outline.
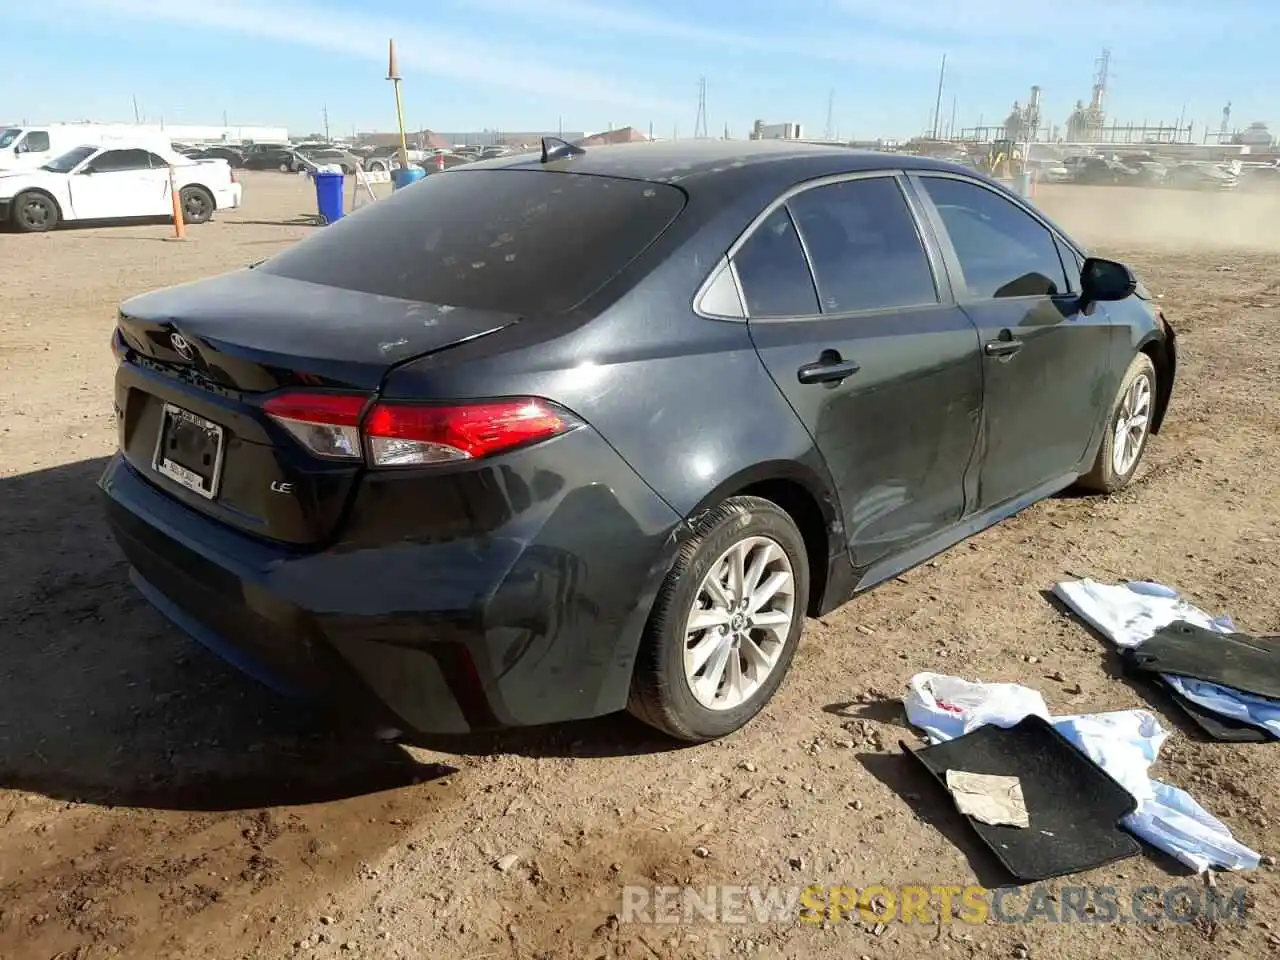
(1074, 805)
(1235, 660)
(1215, 725)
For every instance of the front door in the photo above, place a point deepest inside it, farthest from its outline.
(854, 324)
(121, 183)
(1046, 364)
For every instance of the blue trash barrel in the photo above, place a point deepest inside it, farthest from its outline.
(404, 177)
(328, 196)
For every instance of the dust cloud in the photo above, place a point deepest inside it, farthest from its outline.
(1156, 218)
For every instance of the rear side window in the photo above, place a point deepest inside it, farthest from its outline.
(515, 241)
(864, 247)
(1003, 250)
(772, 270)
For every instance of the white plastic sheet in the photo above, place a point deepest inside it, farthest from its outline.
(1129, 613)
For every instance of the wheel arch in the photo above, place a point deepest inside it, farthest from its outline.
(42, 192)
(1161, 347)
(811, 503)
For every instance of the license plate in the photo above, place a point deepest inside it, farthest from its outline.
(189, 450)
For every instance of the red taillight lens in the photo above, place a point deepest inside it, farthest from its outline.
(402, 434)
(406, 434)
(327, 424)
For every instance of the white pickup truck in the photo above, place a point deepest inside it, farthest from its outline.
(115, 182)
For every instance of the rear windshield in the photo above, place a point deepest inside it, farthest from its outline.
(515, 241)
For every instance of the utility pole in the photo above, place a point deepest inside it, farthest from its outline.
(650, 129)
(137, 117)
(326, 123)
(831, 103)
(393, 74)
(700, 123)
(951, 127)
(937, 107)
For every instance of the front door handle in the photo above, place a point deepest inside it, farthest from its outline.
(1002, 348)
(827, 371)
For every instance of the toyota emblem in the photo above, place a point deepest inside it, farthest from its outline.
(182, 346)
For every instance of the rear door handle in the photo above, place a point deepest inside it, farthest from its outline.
(827, 371)
(1002, 348)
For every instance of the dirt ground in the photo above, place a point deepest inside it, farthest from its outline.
(155, 803)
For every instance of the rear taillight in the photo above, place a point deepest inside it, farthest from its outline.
(338, 426)
(327, 424)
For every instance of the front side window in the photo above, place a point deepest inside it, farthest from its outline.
(37, 141)
(864, 247)
(115, 161)
(1003, 250)
(772, 270)
(70, 160)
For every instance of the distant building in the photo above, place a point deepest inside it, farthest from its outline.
(620, 135)
(776, 131)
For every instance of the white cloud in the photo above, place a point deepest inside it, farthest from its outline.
(358, 34)
(839, 44)
(1102, 22)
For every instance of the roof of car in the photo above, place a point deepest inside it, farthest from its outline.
(687, 161)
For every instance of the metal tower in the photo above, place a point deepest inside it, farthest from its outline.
(1226, 121)
(700, 124)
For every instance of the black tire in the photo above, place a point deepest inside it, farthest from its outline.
(197, 204)
(660, 693)
(1104, 477)
(35, 212)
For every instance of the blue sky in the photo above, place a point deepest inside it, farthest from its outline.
(522, 64)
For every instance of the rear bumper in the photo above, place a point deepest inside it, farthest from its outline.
(229, 197)
(535, 620)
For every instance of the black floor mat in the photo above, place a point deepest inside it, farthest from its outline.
(1236, 660)
(1074, 806)
(1215, 725)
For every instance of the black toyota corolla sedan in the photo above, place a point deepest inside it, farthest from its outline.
(550, 436)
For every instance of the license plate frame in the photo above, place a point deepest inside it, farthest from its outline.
(179, 473)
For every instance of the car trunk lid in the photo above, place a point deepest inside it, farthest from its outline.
(199, 360)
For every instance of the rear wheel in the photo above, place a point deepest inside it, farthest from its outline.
(35, 212)
(1127, 431)
(197, 204)
(726, 623)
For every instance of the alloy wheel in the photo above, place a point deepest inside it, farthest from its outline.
(738, 627)
(1131, 425)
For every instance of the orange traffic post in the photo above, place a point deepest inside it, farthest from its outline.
(179, 225)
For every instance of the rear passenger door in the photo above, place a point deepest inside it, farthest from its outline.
(1047, 365)
(855, 323)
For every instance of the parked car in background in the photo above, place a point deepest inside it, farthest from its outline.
(531, 442)
(1049, 171)
(234, 157)
(1098, 170)
(1202, 176)
(285, 160)
(386, 159)
(27, 148)
(348, 161)
(1147, 170)
(117, 182)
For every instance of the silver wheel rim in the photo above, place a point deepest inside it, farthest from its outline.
(738, 627)
(1131, 425)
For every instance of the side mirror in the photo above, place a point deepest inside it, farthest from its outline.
(1106, 280)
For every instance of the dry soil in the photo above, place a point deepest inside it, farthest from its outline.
(155, 803)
